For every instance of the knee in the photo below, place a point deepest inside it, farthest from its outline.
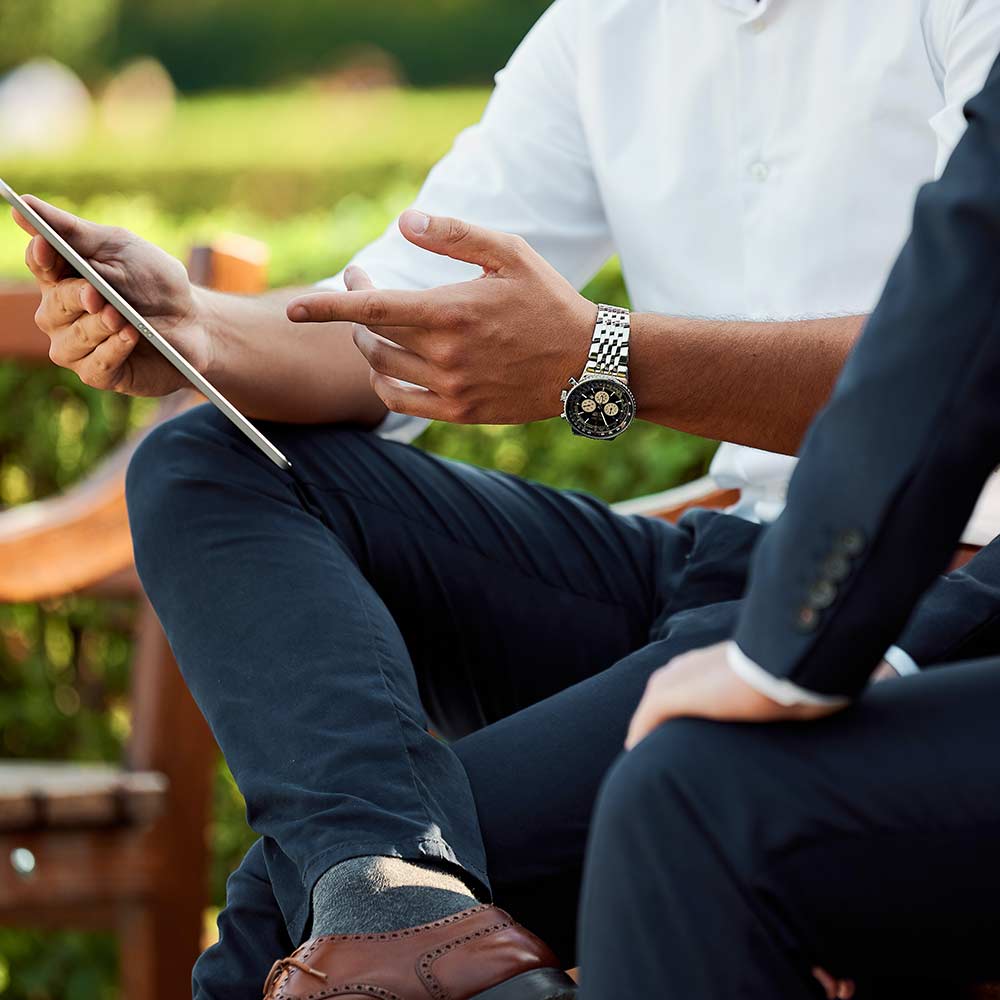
(170, 459)
(694, 782)
(663, 774)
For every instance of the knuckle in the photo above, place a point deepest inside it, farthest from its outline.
(518, 246)
(78, 328)
(42, 316)
(378, 356)
(454, 387)
(445, 355)
(373, 312)
(458, 230)
(462, 411)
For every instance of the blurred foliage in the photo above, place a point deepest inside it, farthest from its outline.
(73, 31)
(348, 164)
(71, 966)
(244, 43)
(433, 41)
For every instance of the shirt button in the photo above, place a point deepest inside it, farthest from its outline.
(758, 25)
(760, 171)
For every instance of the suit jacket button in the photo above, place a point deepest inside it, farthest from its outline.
(807, 619)
(822, 594)
(851, 542)
(836, 568)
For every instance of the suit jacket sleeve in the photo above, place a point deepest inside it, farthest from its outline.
(959, 617)
(892, 468)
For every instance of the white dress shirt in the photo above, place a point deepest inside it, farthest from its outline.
(753, 160)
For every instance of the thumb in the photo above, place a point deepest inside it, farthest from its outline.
(463, 241)
(87, 238)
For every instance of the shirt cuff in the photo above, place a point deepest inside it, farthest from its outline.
(901, 661)
(779, 690)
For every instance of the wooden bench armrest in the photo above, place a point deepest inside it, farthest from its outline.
(671, 505)
(20, 339)
(80, 538)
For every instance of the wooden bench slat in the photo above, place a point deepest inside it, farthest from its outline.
(39, 795)
(20, 339)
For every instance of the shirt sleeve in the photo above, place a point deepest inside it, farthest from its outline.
(525, 168)
(963, 41)
(901, 661)
(779, 690)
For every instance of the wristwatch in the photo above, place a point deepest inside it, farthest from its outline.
(600, 405)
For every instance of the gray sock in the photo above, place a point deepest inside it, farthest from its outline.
(373, 895)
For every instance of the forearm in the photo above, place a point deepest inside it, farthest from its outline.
(274, 369)
(758, 384)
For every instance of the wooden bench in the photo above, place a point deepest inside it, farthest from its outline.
(123, 848)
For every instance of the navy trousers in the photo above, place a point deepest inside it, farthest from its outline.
(727, 861)
(326, 618)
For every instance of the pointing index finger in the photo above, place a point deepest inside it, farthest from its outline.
(368, 307)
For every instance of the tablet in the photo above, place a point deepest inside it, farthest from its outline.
(87, 272)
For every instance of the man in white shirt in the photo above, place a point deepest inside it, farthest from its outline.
(755, 161)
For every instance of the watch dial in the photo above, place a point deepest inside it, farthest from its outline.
(600, 407)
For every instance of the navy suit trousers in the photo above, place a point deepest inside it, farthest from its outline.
(327, 618)
(729, 860)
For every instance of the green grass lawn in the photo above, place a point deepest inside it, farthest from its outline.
(315, 175)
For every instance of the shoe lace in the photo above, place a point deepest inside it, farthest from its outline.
(283, 965)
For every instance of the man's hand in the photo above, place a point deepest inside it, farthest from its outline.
(493, 350)
(885, 671)
(90, 337)
(835, 989)
(701, 684)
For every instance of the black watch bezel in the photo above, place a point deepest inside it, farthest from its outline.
(585, 389)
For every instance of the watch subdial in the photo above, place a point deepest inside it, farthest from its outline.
(611, 409)
(588, 406)
(601, 397)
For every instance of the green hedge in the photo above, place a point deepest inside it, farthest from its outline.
(238, 43)
(245, 43)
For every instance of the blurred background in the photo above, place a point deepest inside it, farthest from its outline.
(307, 126)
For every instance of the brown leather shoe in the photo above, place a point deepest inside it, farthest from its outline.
(478, 954)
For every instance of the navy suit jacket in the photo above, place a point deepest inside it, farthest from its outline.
(892, 468)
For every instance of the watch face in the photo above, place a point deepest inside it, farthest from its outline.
(600, 407)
